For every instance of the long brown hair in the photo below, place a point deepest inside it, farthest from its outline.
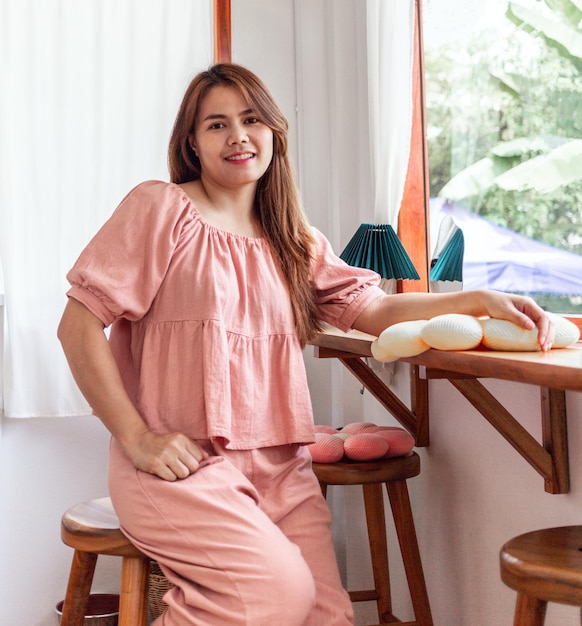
(277, 205)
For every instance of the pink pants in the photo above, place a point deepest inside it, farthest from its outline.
(246, 539)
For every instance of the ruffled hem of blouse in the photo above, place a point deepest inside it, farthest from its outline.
(250, 390)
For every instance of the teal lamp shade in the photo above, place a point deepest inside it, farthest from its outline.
(377, 247)
(449, 264)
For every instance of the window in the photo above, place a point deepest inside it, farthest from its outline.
(504, 131)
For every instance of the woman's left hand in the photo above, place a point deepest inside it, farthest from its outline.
(522, 311)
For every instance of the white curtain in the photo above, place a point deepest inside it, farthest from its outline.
(354, 63)
(354, 116)
(390, 58)
(88, 95)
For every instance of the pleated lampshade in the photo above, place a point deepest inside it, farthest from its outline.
(377, 247)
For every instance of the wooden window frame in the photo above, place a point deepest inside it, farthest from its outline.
(222, 31)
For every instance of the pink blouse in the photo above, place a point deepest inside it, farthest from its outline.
(203, 330)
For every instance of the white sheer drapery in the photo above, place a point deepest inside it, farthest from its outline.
(343, 48)
(88, 95)
(390, 59)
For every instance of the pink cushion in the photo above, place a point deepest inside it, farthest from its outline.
(365, 447)
(327, 448)
(356, 427)
(359, 441)
(400, 441)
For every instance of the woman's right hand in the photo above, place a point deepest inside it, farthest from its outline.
(171, 456)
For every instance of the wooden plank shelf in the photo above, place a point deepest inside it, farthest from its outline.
(553, 372)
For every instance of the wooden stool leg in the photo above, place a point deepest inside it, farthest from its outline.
(78, 588)
(133, 602)
(529, 611)
(404, 523)
(376, 522)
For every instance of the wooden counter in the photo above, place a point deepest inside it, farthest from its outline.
(554, 372)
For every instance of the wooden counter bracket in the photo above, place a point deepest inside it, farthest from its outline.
(416, 419)
(550, 459)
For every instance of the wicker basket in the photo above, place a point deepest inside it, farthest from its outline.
(158, 587)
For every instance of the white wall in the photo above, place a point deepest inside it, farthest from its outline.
(46, 465)
(474, 491)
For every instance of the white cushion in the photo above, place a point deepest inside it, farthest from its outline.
(452, 331)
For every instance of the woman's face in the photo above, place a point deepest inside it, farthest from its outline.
(233, 144)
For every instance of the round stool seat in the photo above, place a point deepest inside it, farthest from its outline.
(93, 527)
(545, 564)
(360, 473)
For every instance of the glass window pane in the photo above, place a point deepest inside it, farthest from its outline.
(504, 126)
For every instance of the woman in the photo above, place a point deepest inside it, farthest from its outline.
(213, 283)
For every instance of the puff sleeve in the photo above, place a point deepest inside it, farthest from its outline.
(343, 291)
(119, 272)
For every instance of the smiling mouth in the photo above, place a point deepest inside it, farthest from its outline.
(240, 157)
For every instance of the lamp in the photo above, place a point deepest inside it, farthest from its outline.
(449, 265)
(447, 262)
(377, 247)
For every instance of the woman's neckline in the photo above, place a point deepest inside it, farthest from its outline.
(214, 228)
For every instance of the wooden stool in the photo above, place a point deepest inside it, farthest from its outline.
(370, 475)
(543, 566)
(92, 528)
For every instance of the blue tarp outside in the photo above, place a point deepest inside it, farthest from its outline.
(501, 259)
